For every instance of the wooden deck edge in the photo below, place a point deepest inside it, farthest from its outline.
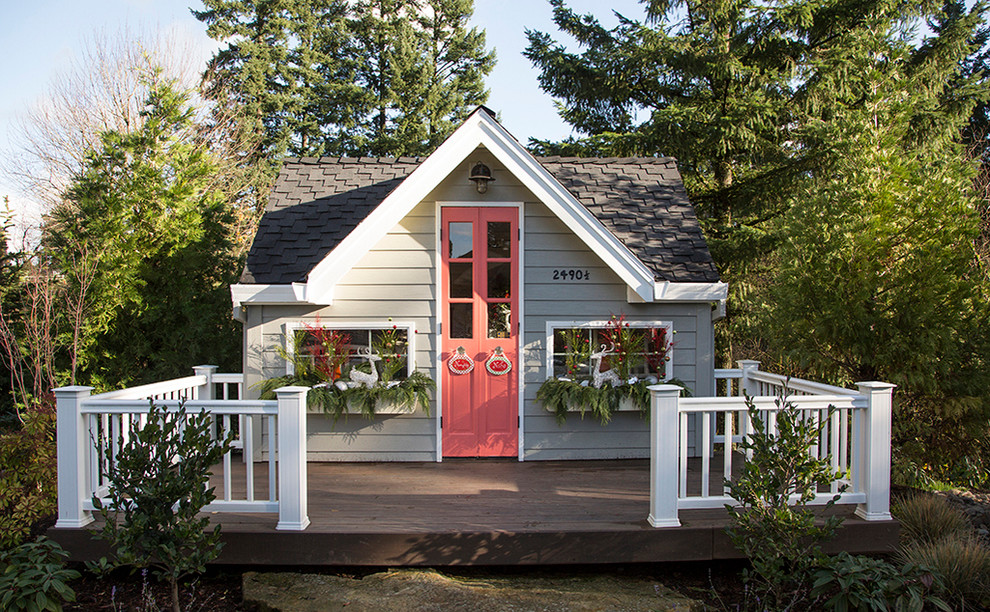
(687, 543)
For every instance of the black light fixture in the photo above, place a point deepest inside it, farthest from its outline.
(481, 175)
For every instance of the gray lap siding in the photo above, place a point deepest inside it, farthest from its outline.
(397, 279)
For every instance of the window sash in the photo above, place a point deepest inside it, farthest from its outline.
(292, 328)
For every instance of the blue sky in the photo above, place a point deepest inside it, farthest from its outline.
(41, 37)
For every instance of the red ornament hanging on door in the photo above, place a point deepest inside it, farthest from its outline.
(498, 364)
(459, 362)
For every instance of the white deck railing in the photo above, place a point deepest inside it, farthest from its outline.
(90, 424)
(855, 437)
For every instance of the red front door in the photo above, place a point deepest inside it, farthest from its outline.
(478, 284)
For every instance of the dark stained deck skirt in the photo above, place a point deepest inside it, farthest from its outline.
(483, 512)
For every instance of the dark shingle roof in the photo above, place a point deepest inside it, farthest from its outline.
(316, 202)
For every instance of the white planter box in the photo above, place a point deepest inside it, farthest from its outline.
(383, 408)
(625, 405)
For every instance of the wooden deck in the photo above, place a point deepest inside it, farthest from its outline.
(482, 512)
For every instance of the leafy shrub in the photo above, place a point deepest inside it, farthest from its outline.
(863, 583)
(27, 475)
(962, 563)
(928, 518)
(158, 481)
(33, 577)
(780, 538)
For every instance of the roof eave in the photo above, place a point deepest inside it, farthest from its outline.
(251, 294)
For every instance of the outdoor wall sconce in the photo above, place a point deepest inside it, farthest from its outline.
(481, 175)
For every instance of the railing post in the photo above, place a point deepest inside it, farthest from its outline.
(292, 487)
(876, 450)
(664, 439)
(207, 391)
(747, 385)
(72, 453)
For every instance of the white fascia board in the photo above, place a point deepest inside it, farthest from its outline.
(478, 129)
(294, 293)
(667, 291)
(324, 277)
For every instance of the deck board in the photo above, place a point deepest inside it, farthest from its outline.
(482, 512)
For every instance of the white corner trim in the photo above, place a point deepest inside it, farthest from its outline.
(479, 129)
(667, 291)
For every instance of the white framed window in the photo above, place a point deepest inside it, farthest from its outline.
(640, 349)
(357, 339)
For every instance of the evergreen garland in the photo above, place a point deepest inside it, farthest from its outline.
(334, 402)
(562, 396)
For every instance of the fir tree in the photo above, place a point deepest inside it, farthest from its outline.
(328, 77)
(142, 241)
(289, 65)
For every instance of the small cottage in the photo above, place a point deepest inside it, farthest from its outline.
(486, 272)
(481, 302)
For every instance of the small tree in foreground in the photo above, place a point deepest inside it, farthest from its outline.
(780, 535)
(158, 484)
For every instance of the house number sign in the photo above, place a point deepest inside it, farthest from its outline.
(571, 274)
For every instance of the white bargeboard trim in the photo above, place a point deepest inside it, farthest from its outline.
(480, 129)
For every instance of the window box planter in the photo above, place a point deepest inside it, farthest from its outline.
(400, 397)
(563, 397)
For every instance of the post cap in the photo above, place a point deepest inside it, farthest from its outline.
(666, 389)
(72, 390)
(876, 385)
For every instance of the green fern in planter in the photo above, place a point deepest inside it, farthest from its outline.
(563, 396)
(333, 401)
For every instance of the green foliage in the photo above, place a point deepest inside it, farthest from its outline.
(143, 241)
(319, 354)
(577, 350)
(927, 518)
(628, 344)
(392, 345)
(328, 77)
(33, 577)
(962, 563)
(158, 483)
(27, 475)
(862, 583)
(415, 390)
(781, 537)
(562, 396)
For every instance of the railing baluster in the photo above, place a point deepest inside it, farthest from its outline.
(727, 450)
(247, 435)
(682, 454)
(844, 440)
(706, 451)
(834, 448)
(95, 443)
(226, 460)
(272, 470)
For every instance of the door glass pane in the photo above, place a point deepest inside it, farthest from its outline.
(499, 239)
(459, 240)
(461, 285)
(500, 280)
(460, 320)
(499, 316)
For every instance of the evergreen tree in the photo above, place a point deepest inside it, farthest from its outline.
(730, 88)
(329, 77)
(142, 242)
(422, 71)
(289, 65)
